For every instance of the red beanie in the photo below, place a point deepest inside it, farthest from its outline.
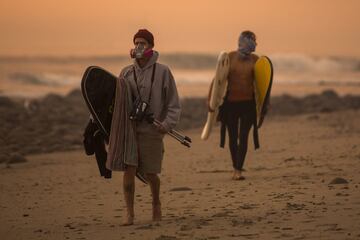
(144, 33)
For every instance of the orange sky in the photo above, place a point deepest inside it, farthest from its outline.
(89, 27)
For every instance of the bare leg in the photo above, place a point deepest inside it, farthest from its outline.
(129, 191)
(154, 183)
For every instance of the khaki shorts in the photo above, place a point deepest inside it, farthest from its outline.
(151, 152)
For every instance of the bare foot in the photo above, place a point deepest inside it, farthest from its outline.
(129, 220)
(233, 176)
(157, 213)
(237, 175)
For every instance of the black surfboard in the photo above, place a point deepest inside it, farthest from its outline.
(98, 88)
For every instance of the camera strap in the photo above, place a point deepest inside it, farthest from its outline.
(152, 81)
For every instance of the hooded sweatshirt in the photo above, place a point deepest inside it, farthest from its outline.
(164, 103)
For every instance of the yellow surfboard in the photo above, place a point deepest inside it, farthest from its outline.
(263, 81)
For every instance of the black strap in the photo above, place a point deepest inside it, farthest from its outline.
(152, 81)
(255, 131)
(222, 134)
(137, 87)
(223, 119)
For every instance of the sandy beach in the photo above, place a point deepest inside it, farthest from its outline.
(304, 181)
(302, 184)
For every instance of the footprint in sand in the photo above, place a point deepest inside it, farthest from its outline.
(145, 227)
(248, 206)
(295, 206)
(338, 180)
(221, 214)
(185, 228)
(164, 237)
(180, 189)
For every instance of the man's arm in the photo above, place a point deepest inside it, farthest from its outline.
(172, 102)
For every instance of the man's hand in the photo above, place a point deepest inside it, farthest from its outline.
(161, 128)
(209, 108)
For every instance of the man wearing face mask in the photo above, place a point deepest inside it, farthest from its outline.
(153, 90)
(239, 103)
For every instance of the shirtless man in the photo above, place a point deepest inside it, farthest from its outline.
(239, 103)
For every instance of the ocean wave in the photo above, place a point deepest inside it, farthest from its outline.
(282, 62)
(47, 79)
(26, 78)
(187, 68)
(300, 62)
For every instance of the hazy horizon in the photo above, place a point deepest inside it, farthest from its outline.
(163, 53)
(87, 28)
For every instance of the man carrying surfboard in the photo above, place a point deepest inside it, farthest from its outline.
(237, 98)
(155, 96)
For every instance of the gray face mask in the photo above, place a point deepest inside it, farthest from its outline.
(246, 46)
(138, 51)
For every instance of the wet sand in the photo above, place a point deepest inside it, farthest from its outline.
(286, 195)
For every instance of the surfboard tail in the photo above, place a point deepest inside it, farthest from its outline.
(206, 132)
(208, 126)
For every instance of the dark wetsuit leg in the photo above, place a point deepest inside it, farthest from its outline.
(233, 129)
(246, 121)
(242, 112)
